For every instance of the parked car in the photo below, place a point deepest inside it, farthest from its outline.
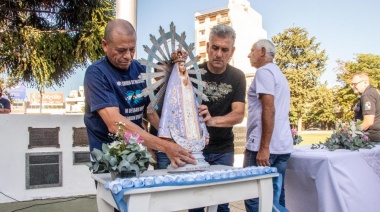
(312, 129)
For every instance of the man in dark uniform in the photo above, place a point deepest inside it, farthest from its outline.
(369, 105)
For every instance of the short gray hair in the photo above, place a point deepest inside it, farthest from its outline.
(223, 31)
(270, 50)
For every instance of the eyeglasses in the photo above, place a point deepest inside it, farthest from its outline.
(354, 84)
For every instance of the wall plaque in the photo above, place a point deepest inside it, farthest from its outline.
(80, 137)
(43, 170)
(239, 141)
(43, 137)
(80, 158)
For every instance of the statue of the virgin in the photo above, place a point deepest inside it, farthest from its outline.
(179, 119)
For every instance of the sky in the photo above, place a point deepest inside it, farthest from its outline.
(344, 28)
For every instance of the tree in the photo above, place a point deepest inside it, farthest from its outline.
(299, 57)
(323, 107)
(43, 42)
(366, 63)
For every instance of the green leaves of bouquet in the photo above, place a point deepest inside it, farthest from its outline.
(297, 139)
(125, 153)
(346, 136)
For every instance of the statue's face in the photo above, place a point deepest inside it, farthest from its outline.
(181, 67)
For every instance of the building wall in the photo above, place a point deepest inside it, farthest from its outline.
(76, 179)
(74, 103)
(248, 27)
(246, 22)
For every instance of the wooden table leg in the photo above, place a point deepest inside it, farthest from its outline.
(104, 199)
(103, 206)
(266, 195)
(212, 208)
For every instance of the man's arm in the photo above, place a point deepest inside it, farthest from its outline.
(267, 119)
(153, 118)
(368, 104)
(236, 116)
(368, 121)
(177, 155)
(5, 110)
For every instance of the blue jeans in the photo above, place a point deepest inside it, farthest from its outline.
(218, 159)
(278, 161)
(162, 160)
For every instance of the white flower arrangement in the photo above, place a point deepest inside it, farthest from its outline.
(125, 153)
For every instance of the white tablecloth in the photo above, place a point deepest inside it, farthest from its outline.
(341, 180)
(182, 197)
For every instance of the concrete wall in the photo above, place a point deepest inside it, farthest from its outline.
(76, 179)
(14, 140)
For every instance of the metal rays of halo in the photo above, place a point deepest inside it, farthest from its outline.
(161, 46)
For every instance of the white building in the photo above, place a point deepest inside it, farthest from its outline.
(75, 101)
(246, 22)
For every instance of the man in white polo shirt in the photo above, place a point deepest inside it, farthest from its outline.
(269, 139)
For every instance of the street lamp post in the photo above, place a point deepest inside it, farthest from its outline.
(127, 10)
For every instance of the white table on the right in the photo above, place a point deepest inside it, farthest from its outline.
(334, 181)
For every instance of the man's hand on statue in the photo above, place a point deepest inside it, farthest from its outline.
(203, 112)
(179, 156)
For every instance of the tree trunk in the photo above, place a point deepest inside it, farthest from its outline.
(40, 101)
(299, 124)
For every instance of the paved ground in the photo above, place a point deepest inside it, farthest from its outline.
(72, 204)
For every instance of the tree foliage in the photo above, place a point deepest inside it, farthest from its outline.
(42, 42)
(322, 107)
(366, 63)
(302, 62)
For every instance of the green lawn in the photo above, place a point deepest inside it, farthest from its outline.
(309, 139)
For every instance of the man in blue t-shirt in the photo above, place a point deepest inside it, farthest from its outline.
(113, 93)
(5, 105)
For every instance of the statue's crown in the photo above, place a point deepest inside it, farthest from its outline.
(179, 56)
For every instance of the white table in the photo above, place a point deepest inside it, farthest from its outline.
(341, 180)
(179, 198)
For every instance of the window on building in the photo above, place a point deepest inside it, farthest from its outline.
(203, 55)
(213, 18)
(201, 21)
(202, 43)
(224, 15)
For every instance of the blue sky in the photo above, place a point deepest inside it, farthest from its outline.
(343, 27)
